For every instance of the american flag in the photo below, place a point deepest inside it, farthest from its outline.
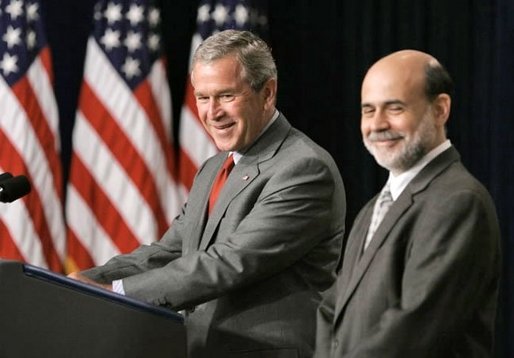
(32, 228)
(213, 16)
(123, 188)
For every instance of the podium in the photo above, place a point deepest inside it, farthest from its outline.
(43, 314)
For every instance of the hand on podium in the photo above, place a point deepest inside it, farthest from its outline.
(79, 277)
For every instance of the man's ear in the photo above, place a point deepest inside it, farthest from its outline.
(442, 105)
(269, 92)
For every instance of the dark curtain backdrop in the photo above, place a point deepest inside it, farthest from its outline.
(323, 49)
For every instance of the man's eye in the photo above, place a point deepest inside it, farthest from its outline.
(202, 99)
(367, 111)
(396, 109)
(227, 97)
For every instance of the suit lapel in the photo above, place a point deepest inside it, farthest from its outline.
(239, 178)
(246, 170)
(199, 197)
(399, 207)
(361, 261)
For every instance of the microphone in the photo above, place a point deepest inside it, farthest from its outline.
(4, 176)
(13, 188)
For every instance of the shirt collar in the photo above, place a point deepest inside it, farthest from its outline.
(398, 183)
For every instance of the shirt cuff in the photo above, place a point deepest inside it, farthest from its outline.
(117, 286)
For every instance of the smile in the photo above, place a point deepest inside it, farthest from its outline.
(223, 127)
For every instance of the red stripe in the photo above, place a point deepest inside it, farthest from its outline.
(46, 60)
(143, 93)
(76, 250)
(8, 249)
(13, 162)
(125, 153)
(27, 98)
(190, 100)
(106, 213)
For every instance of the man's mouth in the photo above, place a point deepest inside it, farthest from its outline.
(384, 138)
(223, 127)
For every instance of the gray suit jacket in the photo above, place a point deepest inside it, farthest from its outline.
(427, 284)
(250, 276)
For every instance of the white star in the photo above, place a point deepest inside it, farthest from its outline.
(31, 39)
(241, 15)
(12, 36)
(263, 20)
(113, 13)
(154, 16)
(220, 14)
(153, 42)
(32, 12)
(15, 8)
(110, 39)
(133, 41)
(98, 11)
(203, 13)
(8, 64)
(131, 67)
(135, 14)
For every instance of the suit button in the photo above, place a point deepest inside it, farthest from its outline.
(335, 343)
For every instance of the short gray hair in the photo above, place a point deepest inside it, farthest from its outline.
(250, 50)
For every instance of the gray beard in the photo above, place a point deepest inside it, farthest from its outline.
(415, 149)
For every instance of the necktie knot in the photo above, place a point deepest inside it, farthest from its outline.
(220, 180)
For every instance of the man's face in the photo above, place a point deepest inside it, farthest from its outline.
(397, 122)
(229, 109)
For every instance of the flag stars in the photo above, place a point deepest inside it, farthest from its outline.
(133, 41)
(12, 36)
(113, 13)
(220, 15)
(154, 17)
(131, 68)
(203, 13)
(32, 12)
(153, 42)
(135, 14)
(110, 39)
(241, 15)
(31, 39)
(8, 64)
(14, 9)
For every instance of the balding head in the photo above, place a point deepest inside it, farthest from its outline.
(416, 71)
(405, 105)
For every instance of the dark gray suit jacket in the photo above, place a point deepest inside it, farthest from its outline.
(250, 276)
(427, 284)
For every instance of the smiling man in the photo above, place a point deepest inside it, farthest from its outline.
(248, 267)
(421, 267)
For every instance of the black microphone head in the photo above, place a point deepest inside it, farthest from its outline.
(14, 188)
(4, 176)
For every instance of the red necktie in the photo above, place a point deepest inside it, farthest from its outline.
(220, 180)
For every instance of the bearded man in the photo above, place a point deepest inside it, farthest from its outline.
(420, 271)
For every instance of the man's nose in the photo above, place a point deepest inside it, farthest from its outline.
(379, 121)
(215, 110)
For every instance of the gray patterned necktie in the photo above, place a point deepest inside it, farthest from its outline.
(382, 205)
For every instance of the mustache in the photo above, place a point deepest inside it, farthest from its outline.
(383, 135)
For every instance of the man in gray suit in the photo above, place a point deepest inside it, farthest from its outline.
(423, 281)
(249, 271)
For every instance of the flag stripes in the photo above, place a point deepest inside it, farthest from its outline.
(123, 189)
(32, 228)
